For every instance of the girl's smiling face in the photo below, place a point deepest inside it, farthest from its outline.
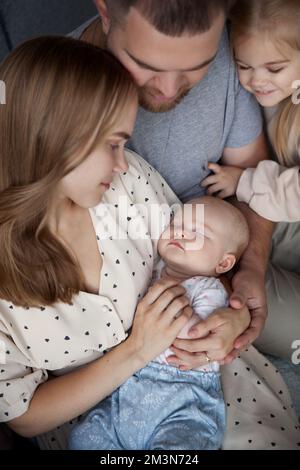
(264, 70)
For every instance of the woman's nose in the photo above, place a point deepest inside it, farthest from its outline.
(121, 163)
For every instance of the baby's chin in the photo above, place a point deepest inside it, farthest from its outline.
(173, 258)
(171, 262)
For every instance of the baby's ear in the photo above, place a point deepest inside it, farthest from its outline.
(226, 263)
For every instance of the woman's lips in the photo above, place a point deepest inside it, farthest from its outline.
(106, 185)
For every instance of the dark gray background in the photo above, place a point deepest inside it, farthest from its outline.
(23, 19)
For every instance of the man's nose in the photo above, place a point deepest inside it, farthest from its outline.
(169, 84)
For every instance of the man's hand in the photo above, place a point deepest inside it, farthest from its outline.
(214, 337)
(228, 331)
(249, 289)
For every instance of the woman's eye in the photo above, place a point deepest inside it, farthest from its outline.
(114, 146)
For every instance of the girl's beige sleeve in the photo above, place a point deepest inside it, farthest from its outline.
(272, 191)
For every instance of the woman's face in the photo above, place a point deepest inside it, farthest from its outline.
(86, 184)
(264, 70)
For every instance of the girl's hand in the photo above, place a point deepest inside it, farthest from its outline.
(212, 338)
(224, 182)
(159, 317)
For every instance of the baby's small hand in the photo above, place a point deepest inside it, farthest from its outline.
(224, 182)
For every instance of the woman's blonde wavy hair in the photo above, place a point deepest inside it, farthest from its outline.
(63, 97)
(278, 20)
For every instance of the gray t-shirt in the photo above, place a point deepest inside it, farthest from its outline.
(217, 113)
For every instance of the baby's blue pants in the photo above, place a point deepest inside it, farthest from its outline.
(159, 407)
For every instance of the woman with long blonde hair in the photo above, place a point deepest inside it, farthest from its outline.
(70, 107)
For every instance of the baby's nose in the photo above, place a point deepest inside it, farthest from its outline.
(179, 234)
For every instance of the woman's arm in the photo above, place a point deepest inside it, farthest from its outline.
(63, 398)
(155, 326)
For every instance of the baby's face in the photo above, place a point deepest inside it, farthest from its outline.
(195, 241)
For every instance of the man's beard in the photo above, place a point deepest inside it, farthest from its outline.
(146, 102)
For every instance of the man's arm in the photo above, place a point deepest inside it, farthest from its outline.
(248, 283)
(226, 329)
(257, 253)
(248, 156)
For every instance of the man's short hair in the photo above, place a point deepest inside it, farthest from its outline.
(173, 17)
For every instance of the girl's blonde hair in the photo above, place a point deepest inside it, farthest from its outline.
(63, 97)
(279, 21)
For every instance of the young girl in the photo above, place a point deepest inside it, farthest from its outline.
(266, 41)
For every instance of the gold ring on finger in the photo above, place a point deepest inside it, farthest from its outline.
(208, 359)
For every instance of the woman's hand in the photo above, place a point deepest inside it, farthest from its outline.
(223, 183)
(159, 317)
(213, 338)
